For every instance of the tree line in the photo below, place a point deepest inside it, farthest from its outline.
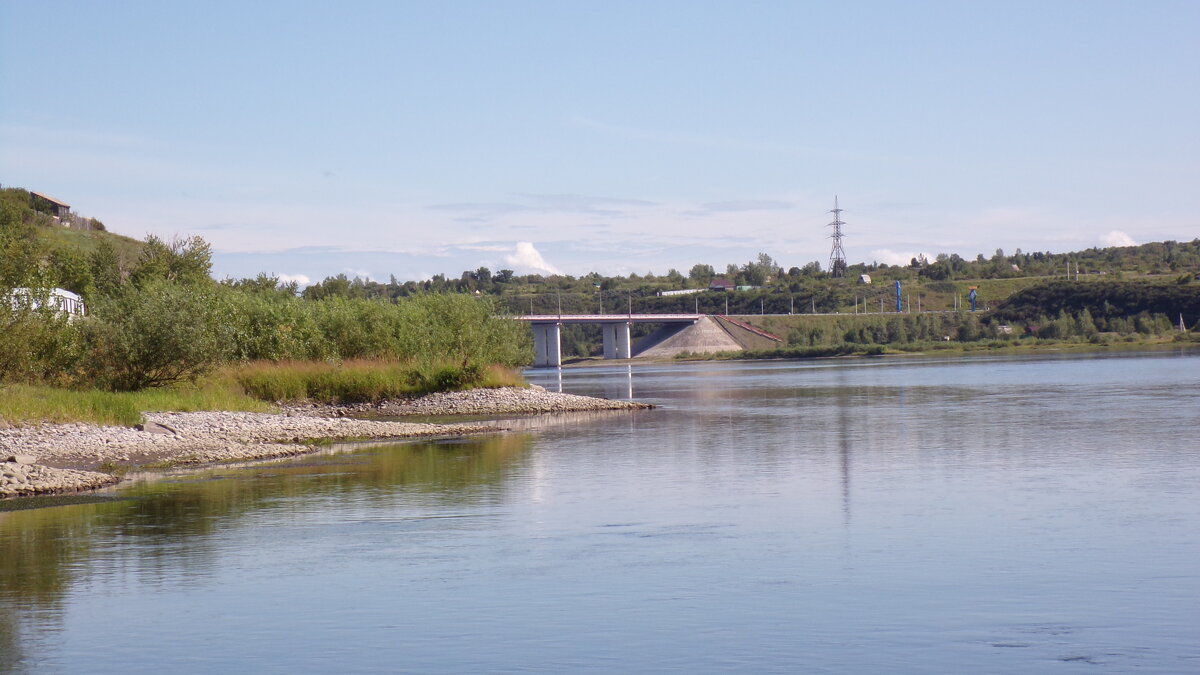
(158, 317)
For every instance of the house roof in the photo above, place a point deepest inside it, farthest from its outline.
(720, 282)
(50, 199)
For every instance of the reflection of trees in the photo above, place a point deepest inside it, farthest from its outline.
(166, 526)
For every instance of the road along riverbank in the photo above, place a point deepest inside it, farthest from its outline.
(52, 458)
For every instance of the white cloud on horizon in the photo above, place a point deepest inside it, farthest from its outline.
(300, 279)
(1118, 238)
(528, 259)
(889, 257)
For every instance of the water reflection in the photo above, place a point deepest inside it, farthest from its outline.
(1014, 515)
(162, 531)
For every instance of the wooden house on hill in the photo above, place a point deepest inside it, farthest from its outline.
(58, 208)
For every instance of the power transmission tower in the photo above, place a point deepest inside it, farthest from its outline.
(837, 257)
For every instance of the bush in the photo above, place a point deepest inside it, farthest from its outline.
(363, 381)
(154, 335)
(273, 328)
(37, 345)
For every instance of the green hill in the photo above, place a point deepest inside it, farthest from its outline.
(41, 246)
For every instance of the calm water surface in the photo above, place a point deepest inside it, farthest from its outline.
(981, 515)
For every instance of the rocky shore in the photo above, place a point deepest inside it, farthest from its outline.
(51, 458)
(504, 401)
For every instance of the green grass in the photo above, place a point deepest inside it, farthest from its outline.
(248, 387)
(30, 404)
(87, 241)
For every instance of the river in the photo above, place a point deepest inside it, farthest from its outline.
(917, 515)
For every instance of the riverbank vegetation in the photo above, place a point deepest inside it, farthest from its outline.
(250, 387)
(865, 334)
(157, 321)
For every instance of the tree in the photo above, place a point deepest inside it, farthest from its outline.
(20, 247)
(701, 274)
(154, 335)
(106, 268)
(186, 260)
(758, 272)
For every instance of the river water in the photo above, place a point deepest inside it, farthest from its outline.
(922, 515)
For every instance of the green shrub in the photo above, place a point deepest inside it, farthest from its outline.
(37, 345)
(363, 381)
(155, 335)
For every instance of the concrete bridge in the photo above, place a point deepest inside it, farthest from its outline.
(547, 343)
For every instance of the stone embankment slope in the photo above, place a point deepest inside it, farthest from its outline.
(63, 457)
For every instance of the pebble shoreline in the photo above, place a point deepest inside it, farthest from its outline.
(53, 458)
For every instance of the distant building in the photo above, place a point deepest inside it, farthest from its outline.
(686, 291)
(64, 301)
(720, 284)
(864, 278)
(59, 209)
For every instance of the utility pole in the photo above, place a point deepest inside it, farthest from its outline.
(837, 256)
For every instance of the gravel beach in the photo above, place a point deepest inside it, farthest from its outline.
(50, 458)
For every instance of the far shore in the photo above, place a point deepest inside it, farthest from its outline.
(59, 458)
(951, 348)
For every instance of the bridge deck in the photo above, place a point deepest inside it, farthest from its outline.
(609, 318)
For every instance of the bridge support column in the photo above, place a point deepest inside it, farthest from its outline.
(547, 345)
(616, 340)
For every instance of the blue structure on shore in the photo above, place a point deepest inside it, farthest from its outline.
(899, 306)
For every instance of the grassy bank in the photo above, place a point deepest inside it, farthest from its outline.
(362, 381)
(252, 387)
(29, 404)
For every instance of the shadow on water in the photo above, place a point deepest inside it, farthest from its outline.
(151, 528)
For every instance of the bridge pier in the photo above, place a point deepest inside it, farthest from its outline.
(547, 345)
(547, 334)
(616, 340)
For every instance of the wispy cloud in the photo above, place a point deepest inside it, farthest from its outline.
(529, 203)
(740, 206)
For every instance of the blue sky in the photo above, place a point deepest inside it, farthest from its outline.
(411, 138)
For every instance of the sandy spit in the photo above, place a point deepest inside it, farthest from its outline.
(53, 458)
